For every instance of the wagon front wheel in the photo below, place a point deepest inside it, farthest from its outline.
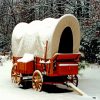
(15, 76)
(73, 79)
(37, 80)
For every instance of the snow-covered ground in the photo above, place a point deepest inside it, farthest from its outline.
(89, 82)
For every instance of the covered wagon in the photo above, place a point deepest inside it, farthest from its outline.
(46, 52)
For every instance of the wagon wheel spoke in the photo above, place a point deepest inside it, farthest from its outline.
(37, 86)
(37, 80)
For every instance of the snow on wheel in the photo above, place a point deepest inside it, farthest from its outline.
(15, 76)
(37, 80)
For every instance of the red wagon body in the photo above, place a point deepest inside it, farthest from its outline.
(59, 66)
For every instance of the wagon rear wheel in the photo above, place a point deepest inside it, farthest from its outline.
(16, 77)
(37, 80)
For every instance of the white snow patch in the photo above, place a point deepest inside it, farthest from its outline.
(26, 58)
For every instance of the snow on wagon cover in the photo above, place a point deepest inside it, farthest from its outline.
(32, 37)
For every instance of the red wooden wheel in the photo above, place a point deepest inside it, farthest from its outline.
(37, 80)
(15, 76)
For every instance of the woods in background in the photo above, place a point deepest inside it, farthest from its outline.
(87, 11)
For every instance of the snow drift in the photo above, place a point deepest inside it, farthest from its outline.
(62, 34)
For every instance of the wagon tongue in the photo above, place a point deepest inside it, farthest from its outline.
(79, 91)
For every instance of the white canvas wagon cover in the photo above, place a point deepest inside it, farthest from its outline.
(32, 37)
